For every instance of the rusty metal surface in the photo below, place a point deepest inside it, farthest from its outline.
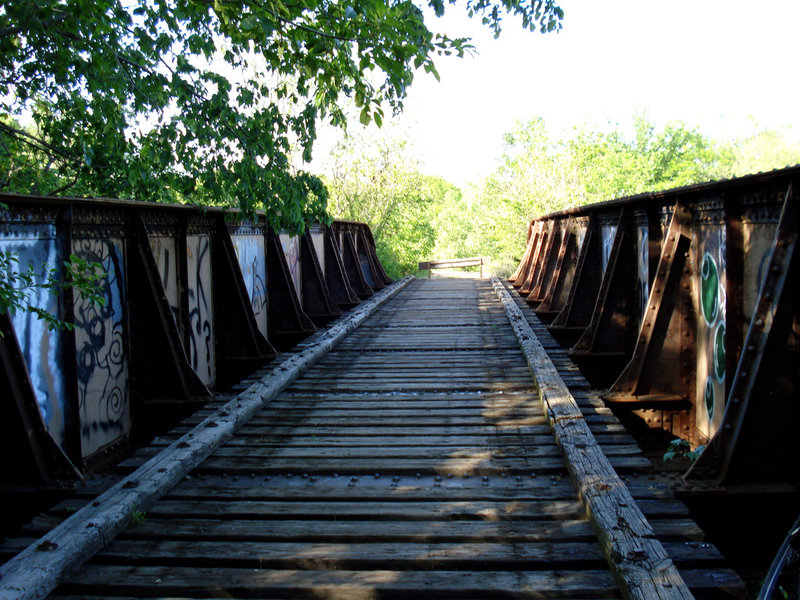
(194, 300)
(682, 287)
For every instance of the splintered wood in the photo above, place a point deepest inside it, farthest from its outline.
(413, 461)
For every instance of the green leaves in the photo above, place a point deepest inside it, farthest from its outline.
(18, 284)
(202, 102)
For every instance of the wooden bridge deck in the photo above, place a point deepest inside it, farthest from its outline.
(413, 461)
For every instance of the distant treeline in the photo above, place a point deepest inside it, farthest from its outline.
(414, 217)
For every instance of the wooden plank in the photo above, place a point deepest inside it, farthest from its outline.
(434, 556)
(347, 532)
(475, 466)
(315, 453)
(345, 585)
(305, 429)
(314, 440)
(373, 510)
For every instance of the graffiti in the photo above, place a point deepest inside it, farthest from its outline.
(643, 284)
(608, 233)
(291, 250)
(250, 253)
(201, 340)
(41, 348)
(101, 355)
(166, 259)
(719, 353)
(711, 351)
(709, 289)
(709, 398)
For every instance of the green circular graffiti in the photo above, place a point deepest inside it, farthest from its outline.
(719, 352)
(709, 288)
(709, 398)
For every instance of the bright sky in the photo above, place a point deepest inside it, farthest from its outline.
(713, 64)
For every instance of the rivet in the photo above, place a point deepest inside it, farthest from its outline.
(438, 478)
(395, 479)
(266, 478)
(335, 475)
(484, 478)
(503, 474)
(751, 347)
(744, 374)
(377, 476)
(252, 475)
(313, 478)
(419, 475)
(519, 478)
(354, 479)
(224, 475)
(449, 475)
(289, 475)
(728, 426)
(736, 400)
(759, 322)
(533, 474)
(305, 475)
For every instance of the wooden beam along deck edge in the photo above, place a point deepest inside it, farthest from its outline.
(37, 570)
(640, 564)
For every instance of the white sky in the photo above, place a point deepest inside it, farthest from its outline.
(713, 64)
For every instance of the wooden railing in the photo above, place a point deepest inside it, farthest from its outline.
(449, 263)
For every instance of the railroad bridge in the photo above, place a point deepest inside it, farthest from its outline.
(256, 415)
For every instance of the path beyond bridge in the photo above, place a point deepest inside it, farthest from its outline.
(414, 460)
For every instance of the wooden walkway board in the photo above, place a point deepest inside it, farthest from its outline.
(414, 461)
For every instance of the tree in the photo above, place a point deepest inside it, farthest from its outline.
(375, 179)
(203, 100)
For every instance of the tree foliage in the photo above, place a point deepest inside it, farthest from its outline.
(540, 172)
(204, 100)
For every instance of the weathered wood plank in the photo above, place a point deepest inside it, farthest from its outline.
(313, 453)
(347, 532)
(345, 585)
(473, 466)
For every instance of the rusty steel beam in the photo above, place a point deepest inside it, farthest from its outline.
(318, 303)
(548, 262)
(576, 313)
(607, 342)
(561, 279)
(335, 274)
